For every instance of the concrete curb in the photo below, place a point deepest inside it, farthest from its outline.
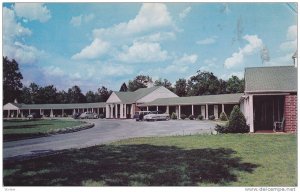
(84, 126)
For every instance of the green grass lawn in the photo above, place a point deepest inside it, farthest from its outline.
(23, 129)
(200, 160)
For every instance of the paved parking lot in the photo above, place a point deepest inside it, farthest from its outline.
(105, 131)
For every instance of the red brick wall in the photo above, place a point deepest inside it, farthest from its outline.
(290, 113)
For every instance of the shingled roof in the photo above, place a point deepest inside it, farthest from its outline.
(60, 106)
(132, 97)
(197, 100)
(271, 79)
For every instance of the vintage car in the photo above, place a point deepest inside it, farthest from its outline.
(157, 116)
(139, 115)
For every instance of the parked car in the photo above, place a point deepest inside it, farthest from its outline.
(76, 115)
(139, 115)
(34, 116)
(88, 115)
(156, 116)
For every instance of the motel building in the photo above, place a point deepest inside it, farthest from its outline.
(270, 99)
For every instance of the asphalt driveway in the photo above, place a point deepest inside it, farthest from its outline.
(104, 131)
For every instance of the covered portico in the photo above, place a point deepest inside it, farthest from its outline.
(18, 110)
(119, 110)
(197, 105)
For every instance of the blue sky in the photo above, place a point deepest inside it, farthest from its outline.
(95, 44)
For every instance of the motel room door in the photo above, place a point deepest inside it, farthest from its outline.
(263, 108)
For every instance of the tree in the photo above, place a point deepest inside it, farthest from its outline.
(181, 88)
(222, 86)
(204, 83)
(26, 95)
(34, 92)
(235, 85)
(167, 84)
(90, 97)
(47, 94)
(103, 94)
(123, 88)
(140, 81)
(62, 97)
(12, 77)
(75, 95)
(237, 121)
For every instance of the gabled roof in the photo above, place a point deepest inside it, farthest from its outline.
(60, 106)
(197, 100)
(271, 79)
(132, 97)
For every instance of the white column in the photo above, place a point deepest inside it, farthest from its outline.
(179, 111)
(112, 111)
(29, 111)
(168, 110)
(147, 108)
(107, 114)
(98, 111)
(22, 115)
(18, 112)
(216, 111)
(51, 113)
(125, 111)
(206, 111)
(156, 108)
(192, 109)
(116, 111)
(121, 111)
(62, 112)
(74, 111)
(223, 108)
(203, 111)
(132, 110)
(251, 114)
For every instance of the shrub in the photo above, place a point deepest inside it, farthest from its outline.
(173, 116)
(211, 117)
(223, 117)
(191, 117)
(101, 116)
(182, 116)
(221, 129)
(236, 124)
(237, 121)
(200, 117)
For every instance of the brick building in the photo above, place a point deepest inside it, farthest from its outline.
(270, 98)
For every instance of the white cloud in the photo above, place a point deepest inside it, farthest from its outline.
(184, 12)
(32, 11)
(97, 48)
(22, 53)
(150, 16)
(157, 37)
(239, 74)
(11, 28)
(76, 21)
(116, 70)
(186, 59)
(143, 52)
(254, 44)
(181, 65)
(207, 41)
(53, 71)
(290, 45)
